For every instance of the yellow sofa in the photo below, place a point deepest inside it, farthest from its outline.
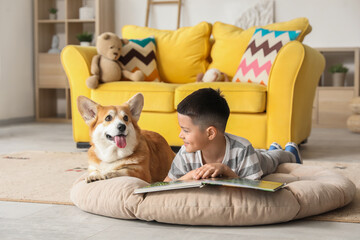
(280, 112)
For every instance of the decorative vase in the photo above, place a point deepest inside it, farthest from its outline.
(52, 16)
(85, 44)
(338, 79)
(86, 13)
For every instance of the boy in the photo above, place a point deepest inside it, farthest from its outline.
(210, 152)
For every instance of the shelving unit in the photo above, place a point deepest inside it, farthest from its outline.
(331, 105)
(52, 89)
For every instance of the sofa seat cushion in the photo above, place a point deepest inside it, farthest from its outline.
(241, 97)
(159, 97)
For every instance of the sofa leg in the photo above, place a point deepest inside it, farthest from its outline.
(82, 145)
(304, 141)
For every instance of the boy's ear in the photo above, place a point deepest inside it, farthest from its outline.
(211, 132)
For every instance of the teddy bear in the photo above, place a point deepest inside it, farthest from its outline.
(212, 75)
(105, 67)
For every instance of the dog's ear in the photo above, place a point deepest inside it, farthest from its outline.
(136, 104)
(87, 108)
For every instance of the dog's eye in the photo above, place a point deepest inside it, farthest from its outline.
(126, 118)
(111, 47)
(108, 118)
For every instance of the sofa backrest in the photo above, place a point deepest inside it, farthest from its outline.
(188, 51)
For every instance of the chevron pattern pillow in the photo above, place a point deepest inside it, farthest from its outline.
(255, 64)
(140, 54)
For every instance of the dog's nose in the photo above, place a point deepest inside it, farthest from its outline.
(121, 127)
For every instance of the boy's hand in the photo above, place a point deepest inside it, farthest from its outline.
(189, 176)
(213, 170)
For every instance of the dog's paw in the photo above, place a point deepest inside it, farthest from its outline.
(95, 176)
(112, 175)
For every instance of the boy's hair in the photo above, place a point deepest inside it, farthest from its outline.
(206, 107)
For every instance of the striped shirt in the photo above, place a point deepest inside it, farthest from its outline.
(239, 156)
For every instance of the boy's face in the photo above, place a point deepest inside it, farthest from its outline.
(194, 138)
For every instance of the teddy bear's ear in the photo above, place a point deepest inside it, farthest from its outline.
(105, 36)
(124, 41)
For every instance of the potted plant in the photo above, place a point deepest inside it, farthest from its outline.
(84, 38)
(52, 13)
(338, 74)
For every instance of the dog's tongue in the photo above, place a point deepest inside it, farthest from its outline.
(120, 141)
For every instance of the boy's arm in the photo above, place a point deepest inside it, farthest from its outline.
(167, 179)
(188, 176)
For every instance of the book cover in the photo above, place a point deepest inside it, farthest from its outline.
(233, 182)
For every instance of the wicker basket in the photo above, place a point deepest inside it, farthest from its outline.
(353, 123)
(355, 105)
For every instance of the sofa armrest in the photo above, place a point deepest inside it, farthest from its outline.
(76, 61)
(291, 91)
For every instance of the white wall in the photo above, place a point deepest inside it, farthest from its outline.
(16, 60)
(336, 23)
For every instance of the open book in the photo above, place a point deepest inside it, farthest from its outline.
(233, 182)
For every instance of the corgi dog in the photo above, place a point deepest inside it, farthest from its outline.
(119, 147)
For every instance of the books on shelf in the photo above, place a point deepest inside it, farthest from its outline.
(233, 182)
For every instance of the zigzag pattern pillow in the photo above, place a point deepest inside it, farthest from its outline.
(255, 64)
(140, 54)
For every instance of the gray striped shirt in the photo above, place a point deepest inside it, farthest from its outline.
(239, 156)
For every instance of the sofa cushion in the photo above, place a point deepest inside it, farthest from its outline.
(241, 97)
(159, 97)
(256, 63)
(139, 54)
(231, 42)
(181, 54)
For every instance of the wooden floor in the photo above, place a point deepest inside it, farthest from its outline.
(46, 221)
(332, 144)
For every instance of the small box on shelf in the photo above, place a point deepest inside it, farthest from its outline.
(51, 73)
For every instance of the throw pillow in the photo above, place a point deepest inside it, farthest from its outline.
(255, 64)
(140, 54)
(181, 54)
(231, 42)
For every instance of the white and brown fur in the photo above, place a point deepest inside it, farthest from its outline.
(146, 155)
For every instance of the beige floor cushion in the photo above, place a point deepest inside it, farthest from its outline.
(309, 191)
